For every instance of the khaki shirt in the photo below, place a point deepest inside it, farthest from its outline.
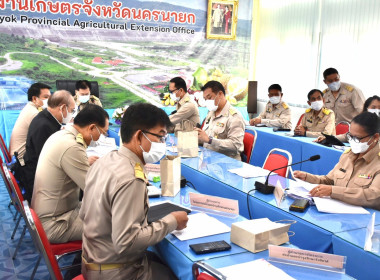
(60, 174)
(93, 100)
(114, 214)
(323, 122)
(227, 130)
(276, 116)
(186, 110)
(20, 130)
(355, 181)
(347, 105)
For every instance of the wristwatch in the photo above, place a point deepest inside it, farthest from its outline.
(210, 139)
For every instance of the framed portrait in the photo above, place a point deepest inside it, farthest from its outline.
(222, 19)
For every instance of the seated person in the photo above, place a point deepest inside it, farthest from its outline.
(83, 95)
(60, 109)
(223, 130)
(61, 171)
(344, 99)
(355, 179)
(317, 119)
(186, 109)
(372, 105)
(115, 204)
(277, 113)
(38, 95)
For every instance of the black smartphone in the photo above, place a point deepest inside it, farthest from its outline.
(299, 205)
(209, 247)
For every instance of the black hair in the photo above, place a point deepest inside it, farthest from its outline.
(369, 101)
(369, 121)
(215, 87)
(179, 83)
(312, 92)
(90, 114)
(142, 116)
(82, 84)
(276, 87)
(329, 71)
(35, 90)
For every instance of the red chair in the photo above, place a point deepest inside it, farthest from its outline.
(4, 150)
(300, 120)
(8, 187)
(51, 253)
(275, 160)
(249, 143)
(79, 277)
(211, 273)
(342, 128)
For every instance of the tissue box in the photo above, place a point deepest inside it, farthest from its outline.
(255, 235)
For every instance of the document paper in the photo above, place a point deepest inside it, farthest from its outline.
(200, 225)
(250, 171)
(329, 205)
(260, 268)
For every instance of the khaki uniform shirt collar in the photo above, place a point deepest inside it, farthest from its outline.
(374, 152)
(321, 114)
(124, 151)
(72, 129)
(225, 110)
(184, 99)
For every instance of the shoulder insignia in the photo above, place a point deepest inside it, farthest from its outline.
(186, 99)
(285, 105)
(232, 111)
(308, 110)
(349, 88)
(40, 109)
(326, 111)
(347, 151)
(325, 91)
(94, 97)
(139, 172)
(80, 140)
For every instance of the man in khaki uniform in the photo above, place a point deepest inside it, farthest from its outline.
(38, 95)
(186, 109)
(83, 95)
(116, 233)
(344, 99)
(355, 179)
(316, 119)
(277, 113)
(223, 130)
(61, 172)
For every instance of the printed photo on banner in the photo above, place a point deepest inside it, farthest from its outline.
(222, 19)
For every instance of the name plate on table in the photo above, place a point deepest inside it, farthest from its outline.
(214, 203)
(307, 258)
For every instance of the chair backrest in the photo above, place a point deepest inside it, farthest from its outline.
(69, 85)
(16, 195)
(249, 143)
(4, 150)
(42, 243)
(300, 119)
(275, 160)
(212, 273)
(342, 128)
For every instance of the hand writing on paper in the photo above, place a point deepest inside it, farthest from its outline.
(300, 175)
(300, 130)
(202, 136)
(182, 218)
(321, 191)
(254, 121)
(92, 159)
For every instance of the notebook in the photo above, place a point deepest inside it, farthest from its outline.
(153, 191)
(161, 209)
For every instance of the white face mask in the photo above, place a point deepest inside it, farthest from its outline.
(68, 118)
(317, 105)
(174, 97)
(358, 148)
(335, 86)
(45, 104)
(157, 151)
(375, 111)
(83, 98)
(275, 99)
(100, 140)
(210, 105)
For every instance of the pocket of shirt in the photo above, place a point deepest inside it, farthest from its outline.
(363, 182)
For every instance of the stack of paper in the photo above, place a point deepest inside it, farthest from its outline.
(260, 268)
(300, 189)
(200, 225)
(250, 171)
(104, 147)
(329, 205)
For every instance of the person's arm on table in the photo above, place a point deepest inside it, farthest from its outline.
(280, 121)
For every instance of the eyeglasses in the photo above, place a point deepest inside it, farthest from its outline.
(356, 139)
(162, 138)
(172, 91)
(101, 131)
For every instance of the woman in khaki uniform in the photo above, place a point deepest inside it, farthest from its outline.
(355, 179)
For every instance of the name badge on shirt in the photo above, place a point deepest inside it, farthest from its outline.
(365, 176)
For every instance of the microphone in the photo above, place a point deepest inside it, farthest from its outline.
(267, 188)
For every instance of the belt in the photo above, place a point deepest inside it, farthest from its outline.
(100, 267)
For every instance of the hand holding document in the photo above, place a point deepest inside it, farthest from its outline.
(107, 145)
(300, 189)
(200, 225)
(250, 171)
(329, 205)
